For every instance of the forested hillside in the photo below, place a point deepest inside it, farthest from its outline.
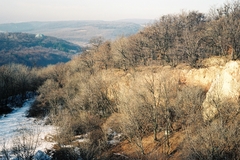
(146, 96)
(34, 49)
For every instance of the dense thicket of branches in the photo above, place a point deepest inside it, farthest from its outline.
(102, 87)
(15, 81)
(186, 37)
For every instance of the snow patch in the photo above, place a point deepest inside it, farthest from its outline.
(15, 123)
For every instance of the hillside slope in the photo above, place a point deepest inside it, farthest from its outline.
(34, 49)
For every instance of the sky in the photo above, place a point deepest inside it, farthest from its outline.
(13, 11)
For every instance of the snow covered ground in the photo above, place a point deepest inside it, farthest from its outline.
(12, 125)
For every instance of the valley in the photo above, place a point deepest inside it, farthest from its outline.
(170, 91)
(78, 32)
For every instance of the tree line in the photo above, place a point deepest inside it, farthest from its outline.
(188, 37)
(123, 85)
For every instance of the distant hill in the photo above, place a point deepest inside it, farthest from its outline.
(34, 49)
(138, 21)
(78, 32)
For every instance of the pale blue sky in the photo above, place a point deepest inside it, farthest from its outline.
(55, 10)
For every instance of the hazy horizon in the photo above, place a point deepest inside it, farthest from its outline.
(14, 11)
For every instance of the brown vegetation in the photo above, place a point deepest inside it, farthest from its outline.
(150, 87)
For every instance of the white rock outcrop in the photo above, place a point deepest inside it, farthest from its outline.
(224, 88)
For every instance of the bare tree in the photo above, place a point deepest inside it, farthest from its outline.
(121, 55)
(96, 41)
(104, 56)
(225, 29)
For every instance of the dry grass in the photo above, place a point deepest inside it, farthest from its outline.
(219, 61)
(154, 149)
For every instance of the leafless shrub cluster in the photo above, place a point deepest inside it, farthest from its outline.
(23, 146)
(217, 140)
(188, 37)
(80, 96)
(16, 80)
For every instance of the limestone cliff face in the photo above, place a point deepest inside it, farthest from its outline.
(221, 82)
(224, 89)
(202, 77)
